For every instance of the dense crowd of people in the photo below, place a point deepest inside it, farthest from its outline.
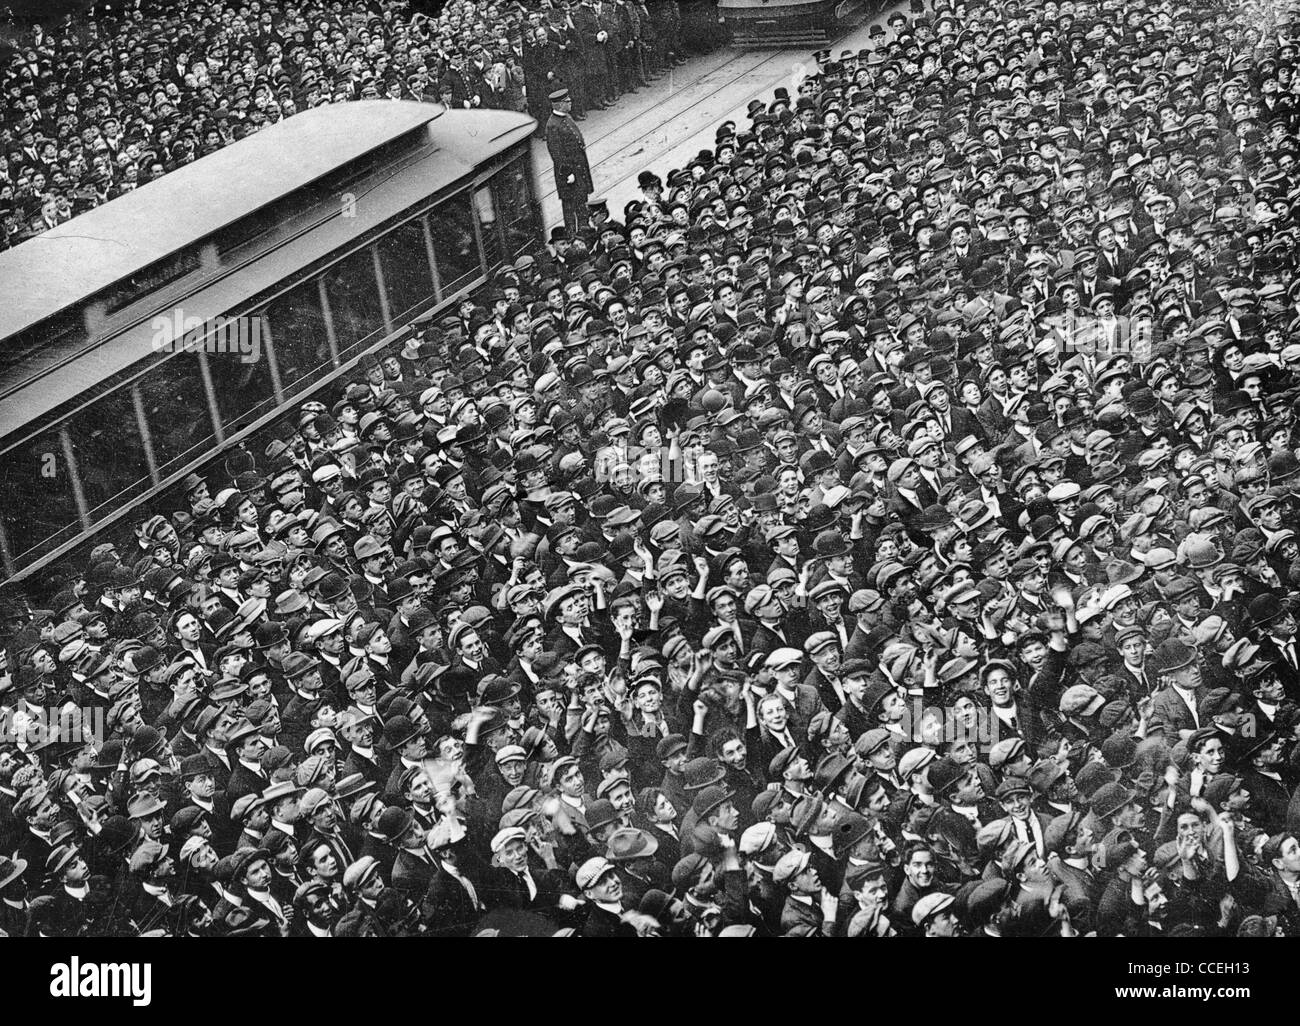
(107, 101)
(879, 528)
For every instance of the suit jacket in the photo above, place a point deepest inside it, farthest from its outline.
(825, 690)
(502, 889)
(604, 923)
(1115, 264)
(1269, 802)
(447, 909)
(1088, 290)
(807, 704)
(900, 507)
(1116, 913)
(1029, 726)
(68, 916)
(991, 417)
(796, 913)
(411, 873)
(1043, 821)
(34, 851)
(855, 721)
(967, 262)
(560, 642)
(763, 747)
(669, 852)
(361, 920)
(244, 781)
(13, 921)
(859, 645)
(381, 851)
(375, 771)
(1082, 890)
(1278, 902)
(1169, 708)
(152, 913)
(964, 423)
(766, 640)
(1136, 689)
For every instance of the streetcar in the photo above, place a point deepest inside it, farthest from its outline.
(790, 23)
(328, 233)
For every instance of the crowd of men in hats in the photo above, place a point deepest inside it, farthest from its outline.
(109, 100)
(882, 530)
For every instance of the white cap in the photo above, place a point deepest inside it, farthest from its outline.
(930, 905)
(321, 628)
(504, 837)
(589, 872)
(757, 838)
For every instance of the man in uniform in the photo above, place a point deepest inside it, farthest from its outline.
(568, 153)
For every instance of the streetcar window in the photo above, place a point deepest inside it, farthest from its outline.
(490, 232)
(514, 201)
(353, 296)
(454, 245)
(110, 452)
(241, 371)
(176, 408)
(296, 328)
(37, 501)
(407, 277)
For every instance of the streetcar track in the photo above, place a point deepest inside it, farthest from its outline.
(667, 121)
(650, 157)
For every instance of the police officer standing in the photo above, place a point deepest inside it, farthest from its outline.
(569, 159)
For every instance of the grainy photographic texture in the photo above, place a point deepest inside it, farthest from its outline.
(647, 468)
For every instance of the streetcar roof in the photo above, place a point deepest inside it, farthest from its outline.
(89, 253)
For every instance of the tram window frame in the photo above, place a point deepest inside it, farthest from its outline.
(127, 440)
(234, 404)
(487, 218)
(45, 455)
(149, 382)
(284, 344)
(510, 225)
(394, 268)
(352, 271)
(449, 285)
